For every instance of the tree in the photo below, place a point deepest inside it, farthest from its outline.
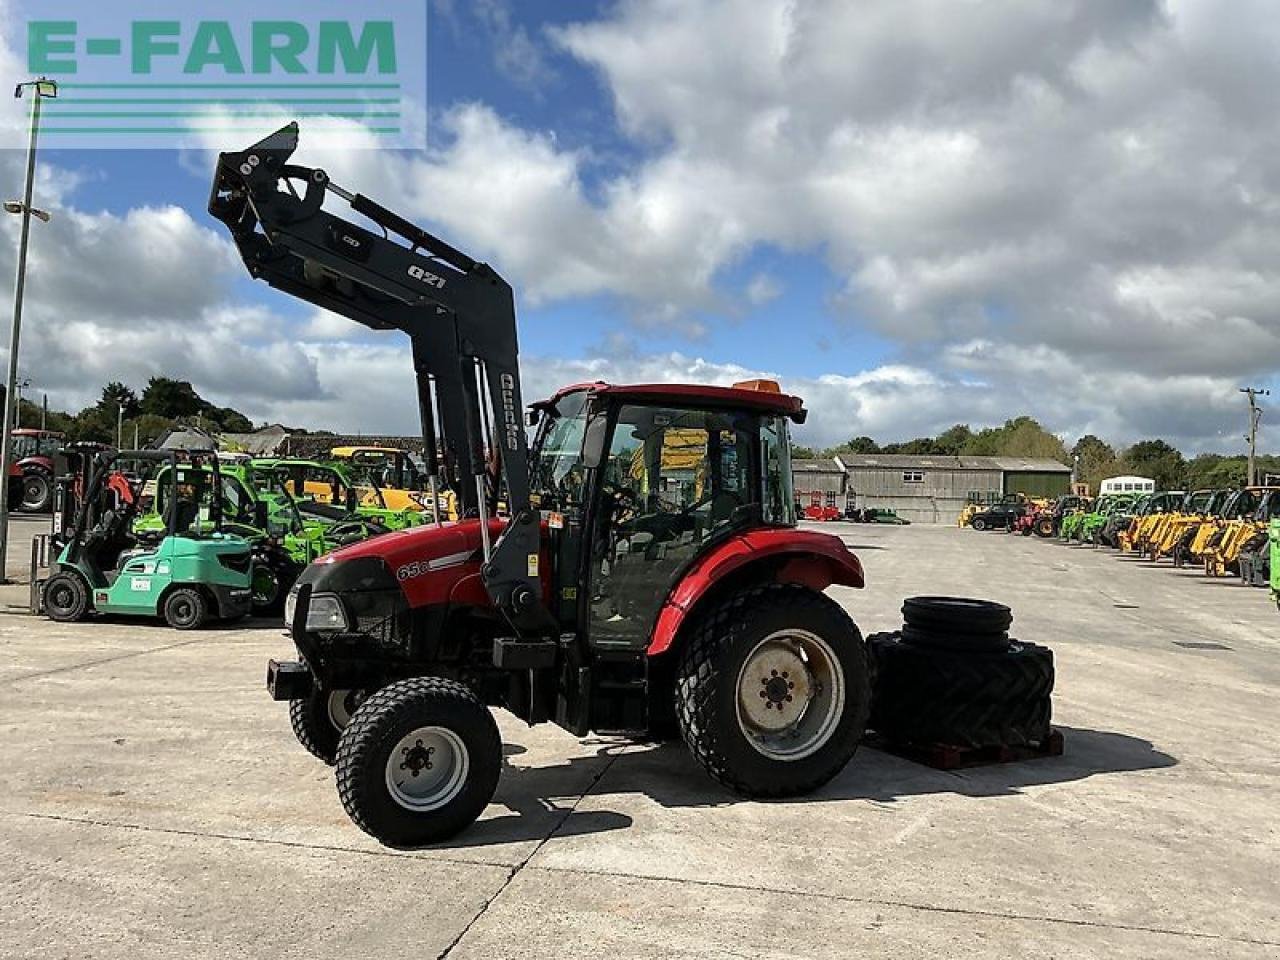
(1158, 460)
(116, 395)
(171, 398)
(861, 445)
(1097, 460)
(803, 453)
(952, 441)
(1020, 437)
(920, 446)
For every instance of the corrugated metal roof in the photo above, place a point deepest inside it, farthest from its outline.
(911, 461)
(820, 465)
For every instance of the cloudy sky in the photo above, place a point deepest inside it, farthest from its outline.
(911, 213)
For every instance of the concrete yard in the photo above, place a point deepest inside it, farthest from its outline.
(153, 803)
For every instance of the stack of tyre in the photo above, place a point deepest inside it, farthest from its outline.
(952, 676)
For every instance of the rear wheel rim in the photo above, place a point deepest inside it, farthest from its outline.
(33, 491)
(427, 768)
(790, 695)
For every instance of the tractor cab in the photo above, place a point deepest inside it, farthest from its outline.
(646, 478)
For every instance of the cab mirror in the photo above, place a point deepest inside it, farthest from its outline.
(593, 441)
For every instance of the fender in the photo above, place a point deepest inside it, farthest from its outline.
(814, 559)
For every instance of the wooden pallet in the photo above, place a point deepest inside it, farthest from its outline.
(945, 756)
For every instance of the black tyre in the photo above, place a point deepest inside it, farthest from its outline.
(948, 639)
(978, 523)
(319, 719)
(1044, 528)
(418, 762)
(967, 699)
(1026, 531)
(66, 597)
(772, 691)
(962, 614)
(37, 492)
(272, 577)
(186, 609)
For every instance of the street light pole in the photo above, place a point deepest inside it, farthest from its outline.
(40, 89)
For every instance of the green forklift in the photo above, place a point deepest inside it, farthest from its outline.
(188, 572)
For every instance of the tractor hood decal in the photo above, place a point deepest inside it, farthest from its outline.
(431, 565)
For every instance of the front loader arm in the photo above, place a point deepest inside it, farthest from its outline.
(459, 315)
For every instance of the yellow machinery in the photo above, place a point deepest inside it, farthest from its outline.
(1248, 517)
(1169, 528)
(1134, 539)
(402, 485)
(1197, 536)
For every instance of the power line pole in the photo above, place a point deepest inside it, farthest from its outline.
(1255, 415)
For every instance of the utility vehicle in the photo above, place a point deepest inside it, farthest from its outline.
(187, 572)
(619, 593)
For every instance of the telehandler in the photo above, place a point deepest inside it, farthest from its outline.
(603, 601)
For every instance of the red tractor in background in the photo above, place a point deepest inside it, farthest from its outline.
(822, 507)
(626, 589)
(33, 453)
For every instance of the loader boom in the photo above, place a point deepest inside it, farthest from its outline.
(459, 315)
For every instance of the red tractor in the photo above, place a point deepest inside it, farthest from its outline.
(627, 589)
(33, 452)
(821, 509)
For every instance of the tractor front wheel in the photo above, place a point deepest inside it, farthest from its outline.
(319, 718)
(979, 523)
(186, 609)
(66, 597)
(772, 691)
(418, 762)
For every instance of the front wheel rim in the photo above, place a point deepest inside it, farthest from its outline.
(339, 706)
(427, 769)
(790, 695)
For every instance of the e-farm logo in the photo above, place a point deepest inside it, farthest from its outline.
(141, 75)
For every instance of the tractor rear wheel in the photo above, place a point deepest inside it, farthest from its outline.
(37, 492)
(418, 762)
(186, 609)
(978, 523)
(319, 719)
(1044, 528)
(772, 691)
(66, 597)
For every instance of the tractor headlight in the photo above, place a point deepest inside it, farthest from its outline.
(290, 605)
(325, 614)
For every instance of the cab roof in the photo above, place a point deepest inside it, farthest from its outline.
(694, 394)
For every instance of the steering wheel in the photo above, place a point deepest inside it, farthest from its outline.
(625, 501)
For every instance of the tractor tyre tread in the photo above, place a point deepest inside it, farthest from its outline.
(927, 696)
(378, 724)
(715, 740)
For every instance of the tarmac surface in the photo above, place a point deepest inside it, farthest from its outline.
(153, 802)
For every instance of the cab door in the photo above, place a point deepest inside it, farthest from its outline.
(672, 481)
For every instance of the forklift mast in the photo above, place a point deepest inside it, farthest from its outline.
(460, 318)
